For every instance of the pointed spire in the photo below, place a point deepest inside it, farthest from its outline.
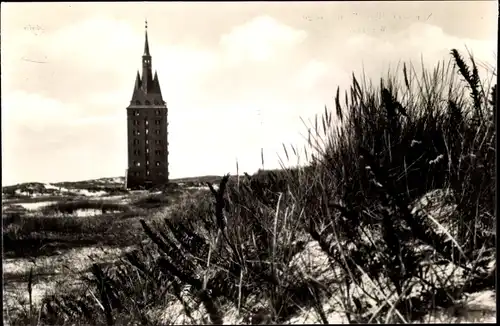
(156, 83)
(137, 80)
(146, 83)
(137, 86)
(146, 43)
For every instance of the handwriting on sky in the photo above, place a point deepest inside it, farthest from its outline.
(34, 29)
(377, 22)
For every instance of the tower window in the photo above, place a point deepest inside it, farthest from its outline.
(136, 113)
(157, 103)
(147, 142)
(157, 112)
(147, 162)
(147, 172)
(148, 103)
(157, 142)
(147, 122)
(157, 131)
(157, 152)
(147, 131)
(136, 141)
(157, 163)
(147, 150)
(137, 152)
(137, 102)
(157, 122)
(137, 174)
(137, 163)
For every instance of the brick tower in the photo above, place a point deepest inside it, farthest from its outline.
(147, 130)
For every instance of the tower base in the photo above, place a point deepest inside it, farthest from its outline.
(142, 183)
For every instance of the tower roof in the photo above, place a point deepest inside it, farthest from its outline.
(147, 86)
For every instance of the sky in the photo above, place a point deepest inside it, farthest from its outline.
(237, 77)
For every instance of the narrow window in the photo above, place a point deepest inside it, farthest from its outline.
(147, 131)
(157, 122)
(137, 174)
(137, 102)
(157, 142)
(136, 141)
(147, 172)
(147, 142)
(147, 122)
(136, 113)
(148, 103)
(157, 163)
(157, 112)
(157, 131)
(147, 150)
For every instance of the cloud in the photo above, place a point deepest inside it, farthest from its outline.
(33, 110)
(260, 39)
(374, 52)
(309, 75)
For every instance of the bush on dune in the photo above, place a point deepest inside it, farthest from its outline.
(360, 200)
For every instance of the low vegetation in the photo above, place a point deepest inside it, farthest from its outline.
(398, 200)
(57, 227)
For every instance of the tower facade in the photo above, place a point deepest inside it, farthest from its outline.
(147, 129)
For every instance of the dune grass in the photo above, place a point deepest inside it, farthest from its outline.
(389, 253)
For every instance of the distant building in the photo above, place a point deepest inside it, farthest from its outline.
(147, 130)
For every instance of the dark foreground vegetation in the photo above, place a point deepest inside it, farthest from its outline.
(234, 246)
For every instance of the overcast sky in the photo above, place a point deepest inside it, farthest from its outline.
(237, 77)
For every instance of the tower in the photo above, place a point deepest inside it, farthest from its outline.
(147, 132)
